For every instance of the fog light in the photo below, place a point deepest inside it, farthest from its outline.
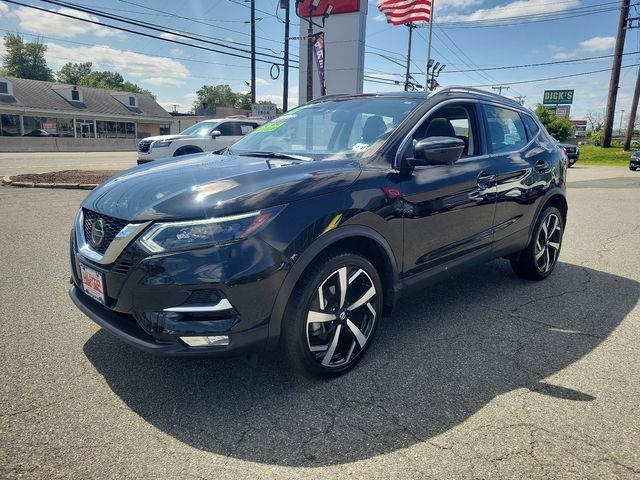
(214, 341)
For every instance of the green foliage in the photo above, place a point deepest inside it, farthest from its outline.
(558, 128)
(613, 156)
(212, 96)
(83, 74)
(25, 59)
(72, 73)
(596, 138)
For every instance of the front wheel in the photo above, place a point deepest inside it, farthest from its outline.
(333, 315)
(537, 261)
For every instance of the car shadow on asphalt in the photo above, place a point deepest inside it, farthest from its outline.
(440, 357)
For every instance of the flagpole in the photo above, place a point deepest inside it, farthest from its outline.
(427, 85)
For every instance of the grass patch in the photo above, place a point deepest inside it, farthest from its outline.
(612, 156)
(66, 176)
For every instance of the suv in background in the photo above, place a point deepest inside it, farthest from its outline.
(206, 136)
(311, 227)
(573, 151)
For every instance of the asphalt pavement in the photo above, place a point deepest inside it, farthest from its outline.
(484, 375)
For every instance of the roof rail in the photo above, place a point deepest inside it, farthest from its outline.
(477, 91)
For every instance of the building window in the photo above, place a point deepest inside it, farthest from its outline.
(165, 129)
(116, 129)
(75, 95)
(10, 125)
(132, 101)
(4, 88)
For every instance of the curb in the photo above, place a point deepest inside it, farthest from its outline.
(68, 186)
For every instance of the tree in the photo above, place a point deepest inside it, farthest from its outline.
(83, 74)
(72, 73)
(596, 120)
(25, 59)
(558, 128)
(215, 96)
(244, 101)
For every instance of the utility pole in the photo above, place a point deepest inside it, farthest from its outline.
(500, 88)
(520, 99)
(407, 75)
(615, 75)
(634, 110)
(621, 117)
(253, 52)
(310, 55)
(285, 89)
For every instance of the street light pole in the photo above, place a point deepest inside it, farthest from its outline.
(310, 55)
(406, 77)
(285, 92)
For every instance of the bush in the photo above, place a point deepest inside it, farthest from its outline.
(596, 138)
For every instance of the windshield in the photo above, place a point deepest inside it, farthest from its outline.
(336, 129)
(201, 129)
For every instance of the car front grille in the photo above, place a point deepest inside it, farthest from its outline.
(144, 146)
(570, 149)
(112, 227)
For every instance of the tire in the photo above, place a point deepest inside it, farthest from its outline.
(537, 261)
(338, 340)
(633, 169)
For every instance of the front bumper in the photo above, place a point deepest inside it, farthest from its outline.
(126, 328)
(634, 162)
(149, 299)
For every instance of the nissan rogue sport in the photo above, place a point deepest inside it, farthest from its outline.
(304, 232)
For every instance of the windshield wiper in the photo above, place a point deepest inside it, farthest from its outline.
(289, 156)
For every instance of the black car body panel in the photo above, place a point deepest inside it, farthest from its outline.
(634, 161)
(414, 224)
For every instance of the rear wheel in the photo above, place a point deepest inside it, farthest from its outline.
(537, 261)
(333, 315)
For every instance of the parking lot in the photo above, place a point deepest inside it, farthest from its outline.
(484, 375)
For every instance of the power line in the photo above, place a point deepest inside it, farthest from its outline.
(151, 26)
(556, 78)
(556, 62)
(134, 32)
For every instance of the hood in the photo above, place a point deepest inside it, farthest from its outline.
(166, 137)
(207, 185)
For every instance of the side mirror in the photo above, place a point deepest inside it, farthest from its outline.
(216, 134)
(436, 151)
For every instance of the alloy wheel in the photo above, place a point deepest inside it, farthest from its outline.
(341, 317)
(548, 243)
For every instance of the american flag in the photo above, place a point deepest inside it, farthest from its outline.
(400, 12)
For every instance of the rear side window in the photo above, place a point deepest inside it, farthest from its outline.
(506, 129)
(532, 126)
(229, 129)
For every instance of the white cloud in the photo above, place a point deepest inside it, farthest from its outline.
(151, 70)
(380, 18)
(564, 55)
(37, 21)
(517, 8)
(598, 44)
(168, 36)
(4, 8)
(261, 81)
(176, 51)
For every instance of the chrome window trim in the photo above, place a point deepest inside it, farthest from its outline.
(117, 246)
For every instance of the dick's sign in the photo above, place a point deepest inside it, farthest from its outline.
(557, 97)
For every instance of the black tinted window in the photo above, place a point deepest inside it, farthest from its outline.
(229, 129)
(532, 126)
(451, 121)
(4, 87)
(506, 129)
(75, 95)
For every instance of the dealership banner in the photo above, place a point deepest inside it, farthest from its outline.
(318, 52)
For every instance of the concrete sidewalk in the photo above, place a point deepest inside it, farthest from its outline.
(41, 162)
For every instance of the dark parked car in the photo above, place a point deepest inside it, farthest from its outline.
(634, 161)
(305, 231)
(573, 152)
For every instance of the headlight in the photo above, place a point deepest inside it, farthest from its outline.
(163, 237)
(161, 143)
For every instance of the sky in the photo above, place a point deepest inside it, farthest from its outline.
(467, 35)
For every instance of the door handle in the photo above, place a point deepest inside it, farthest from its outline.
(541, 166)
(486, 179)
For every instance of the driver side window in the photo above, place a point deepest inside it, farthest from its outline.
(451, 121)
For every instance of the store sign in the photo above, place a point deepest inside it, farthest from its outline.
(557, 97)
(563, 111)
(339, 6)
(266, 111)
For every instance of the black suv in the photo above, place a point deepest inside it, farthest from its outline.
(305, 231)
